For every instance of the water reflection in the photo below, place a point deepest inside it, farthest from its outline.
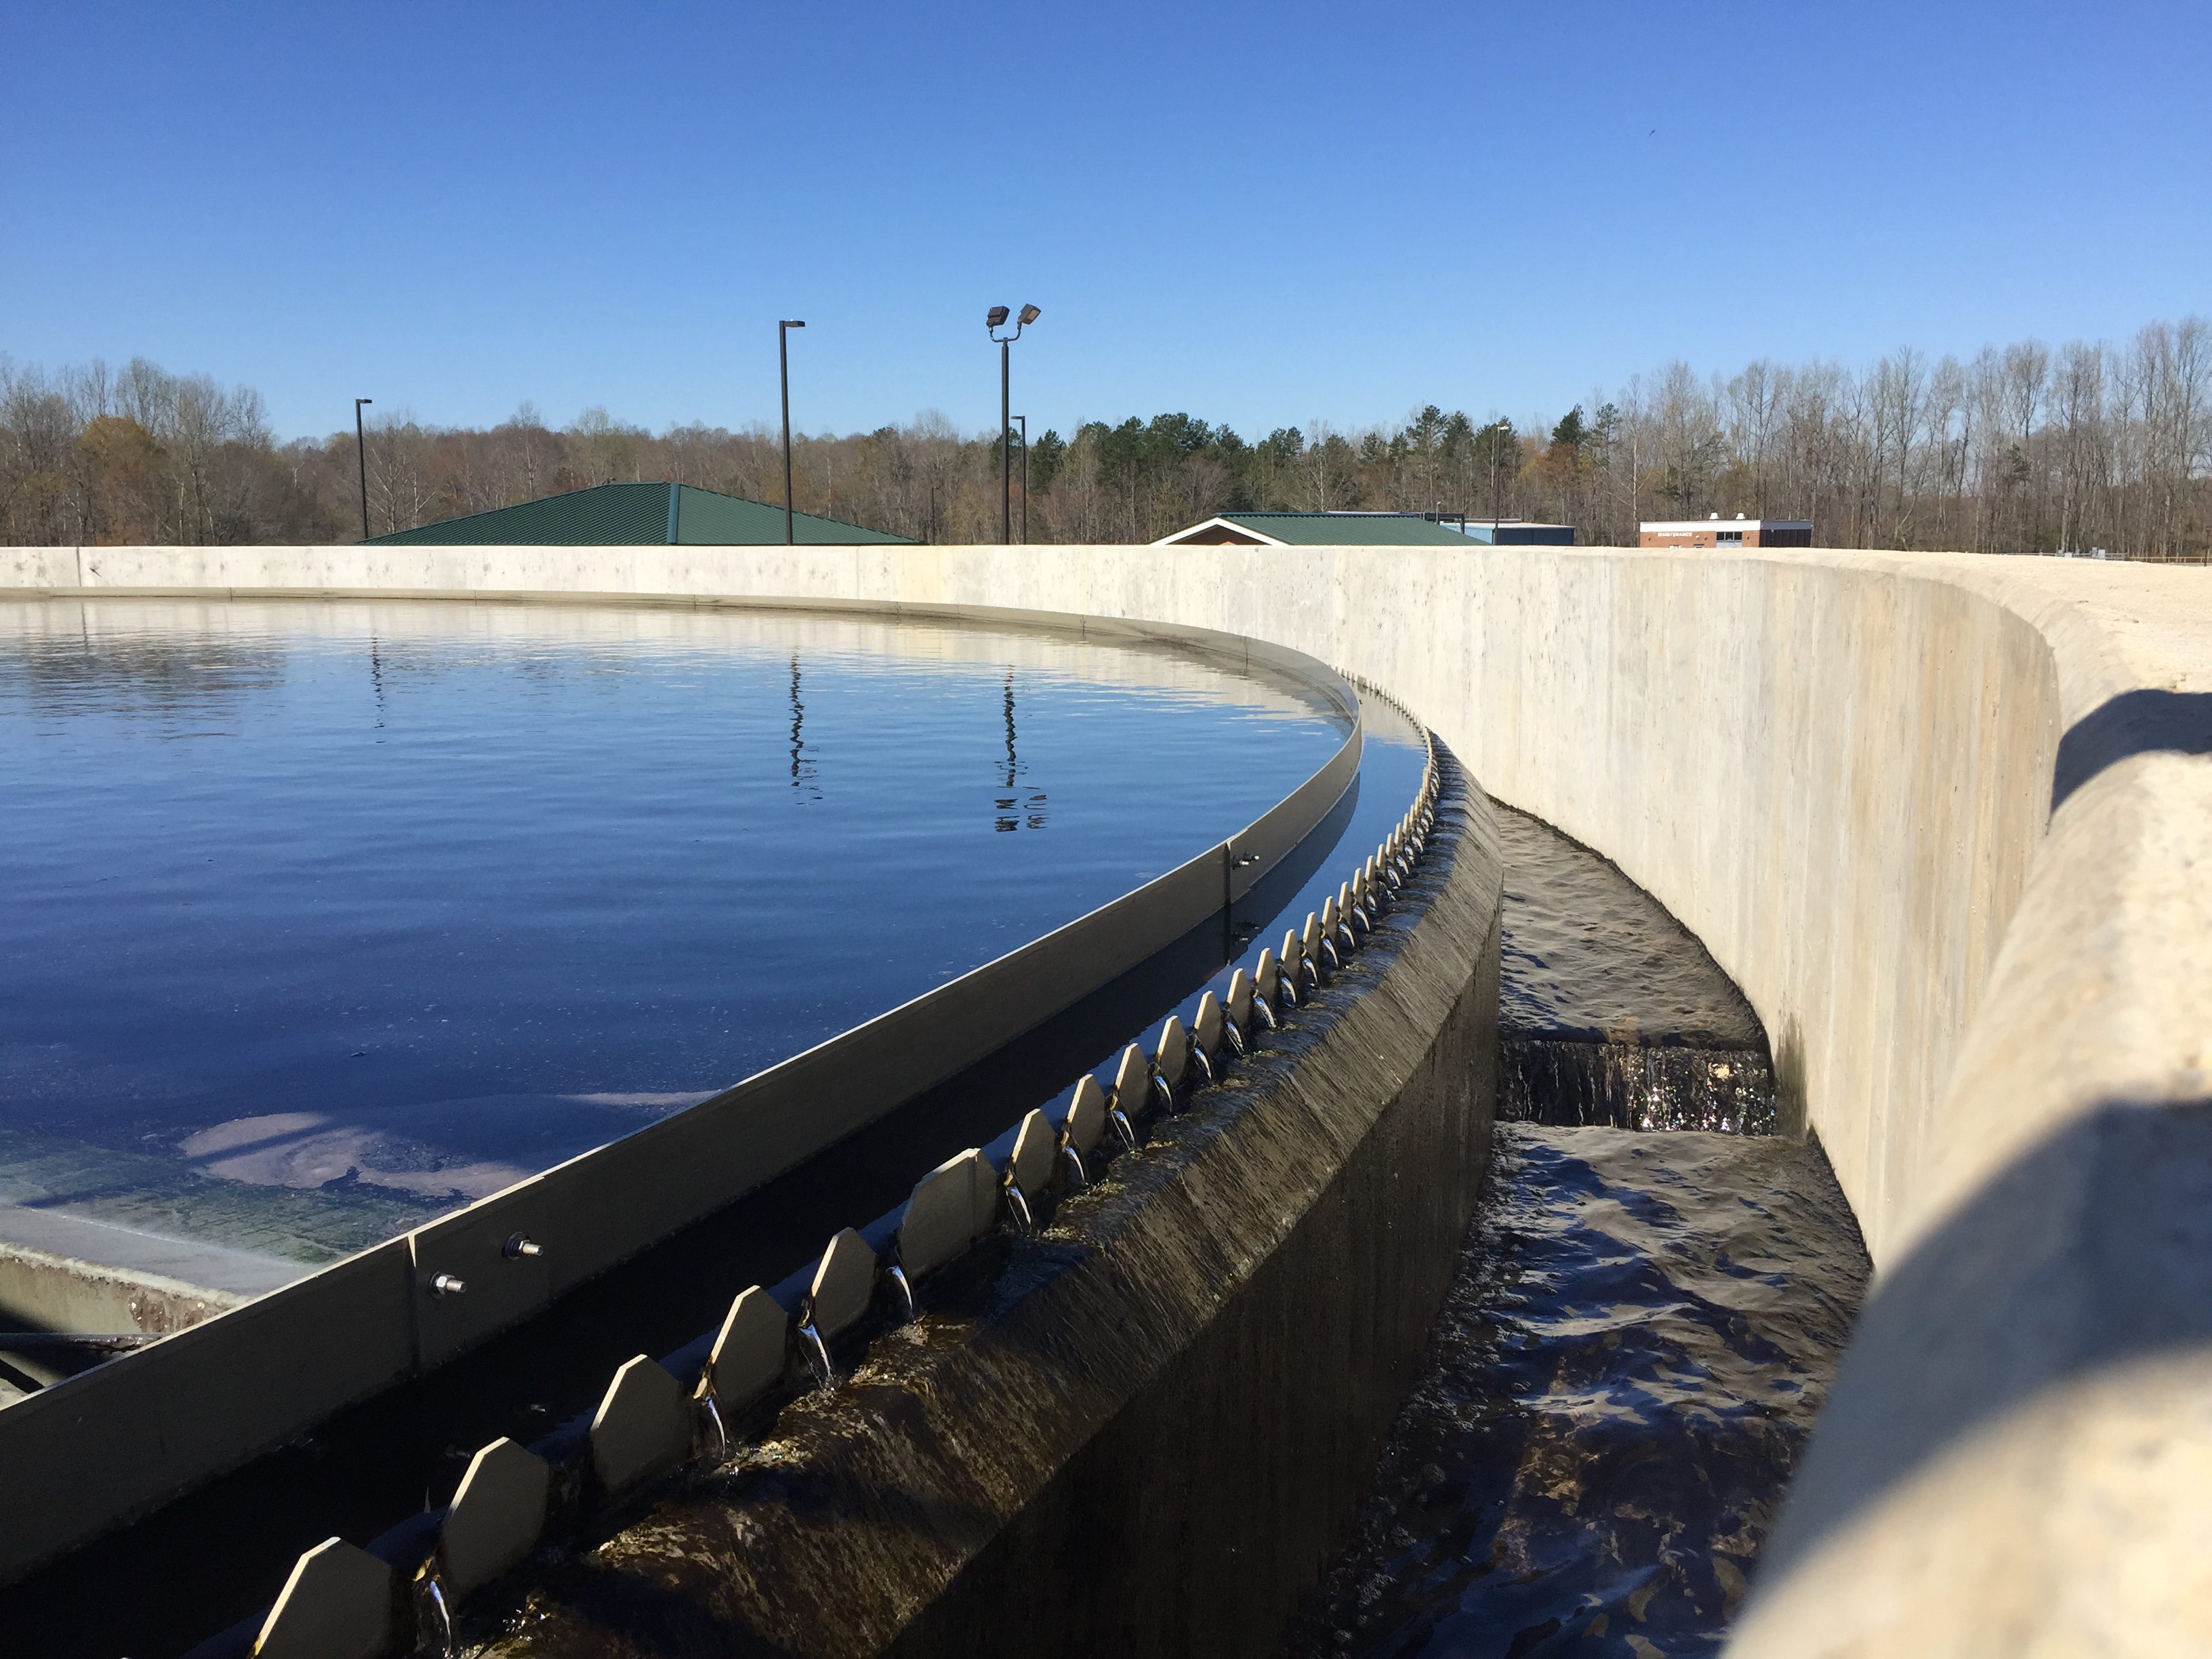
(359, 970)
(1013, 812)
(802, 771)
(59, 670)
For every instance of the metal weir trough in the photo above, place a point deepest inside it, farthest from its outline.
(398, 1594)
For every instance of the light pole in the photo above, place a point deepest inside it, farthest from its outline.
(360, 454)
(993, 320)
(1022, 421)
(1498, 430)
(783, 361)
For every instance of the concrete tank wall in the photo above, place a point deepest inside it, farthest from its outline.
(1947, 820)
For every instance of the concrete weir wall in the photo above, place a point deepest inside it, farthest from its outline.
(1947, 820)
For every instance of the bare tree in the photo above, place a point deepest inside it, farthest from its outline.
(2090, 449)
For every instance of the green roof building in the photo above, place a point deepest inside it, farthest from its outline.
(1317, 530)
(634, 515)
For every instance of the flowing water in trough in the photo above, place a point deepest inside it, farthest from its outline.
(1609, 1010)
(1643, 1325)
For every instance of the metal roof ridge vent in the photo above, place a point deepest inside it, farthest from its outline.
(675, 505)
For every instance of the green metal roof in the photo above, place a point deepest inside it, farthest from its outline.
(635, 515)
(1350, 528)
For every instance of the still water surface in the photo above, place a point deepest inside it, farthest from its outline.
(363, 910)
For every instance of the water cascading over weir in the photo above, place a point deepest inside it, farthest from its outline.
(1943, 819)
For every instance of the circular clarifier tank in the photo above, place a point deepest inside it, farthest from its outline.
(317, 920)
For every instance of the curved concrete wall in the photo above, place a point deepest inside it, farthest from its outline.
(1947, 820)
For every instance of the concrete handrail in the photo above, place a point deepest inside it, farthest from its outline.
(1944, 817)
(86, 1453)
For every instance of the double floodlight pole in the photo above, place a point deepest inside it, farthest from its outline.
(783, 361)
(993, 320)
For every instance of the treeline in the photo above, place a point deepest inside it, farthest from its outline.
(145, 456)
(2020, 449)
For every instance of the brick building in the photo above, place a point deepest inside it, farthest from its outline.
(1716, 532)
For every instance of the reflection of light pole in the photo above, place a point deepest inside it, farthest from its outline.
(797, 720)
(360, 454)
(994, 321)
(783, 361)
(803, 772)
(1023, 420)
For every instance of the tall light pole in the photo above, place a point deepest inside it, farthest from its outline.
(360, 454)
(993, 320)
(1023, 420)
(783, 361)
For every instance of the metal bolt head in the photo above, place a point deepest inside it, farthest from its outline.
(444, 1285)
(518, 1245)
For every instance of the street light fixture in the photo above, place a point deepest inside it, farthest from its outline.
(993, 320)
(360, 454)
(783, 363)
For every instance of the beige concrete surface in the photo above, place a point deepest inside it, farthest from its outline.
(1947, 819)
(72, 1272)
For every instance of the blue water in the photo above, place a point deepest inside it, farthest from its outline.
(373, 908)
(1391, 761)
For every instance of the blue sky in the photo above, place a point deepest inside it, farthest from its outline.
(1257, 214)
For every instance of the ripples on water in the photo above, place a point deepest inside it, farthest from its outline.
(1641, 1325)
(1609, 1010)
(1641, 1332)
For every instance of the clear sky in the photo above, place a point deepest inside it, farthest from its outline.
(1257, 214)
